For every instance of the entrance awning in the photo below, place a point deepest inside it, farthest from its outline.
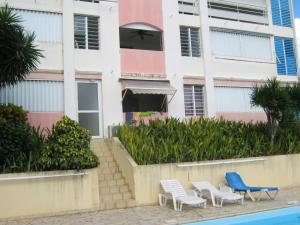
(149, 87)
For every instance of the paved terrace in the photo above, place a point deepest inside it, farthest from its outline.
(155, 215)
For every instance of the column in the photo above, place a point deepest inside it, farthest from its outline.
(207, 60)
(70, 96)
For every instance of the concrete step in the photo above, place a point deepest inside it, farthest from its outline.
(114, 192)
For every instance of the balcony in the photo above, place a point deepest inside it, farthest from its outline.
(235, 11)
(142, 61)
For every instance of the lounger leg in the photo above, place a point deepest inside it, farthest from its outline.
(221, 203)
(259, 196)
(175, 204)
(162, 200)
(250, 195)
(270, 196)
(180, 206)
(213, 199)
(275, 194)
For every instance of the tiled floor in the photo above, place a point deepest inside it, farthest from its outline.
(155, 215)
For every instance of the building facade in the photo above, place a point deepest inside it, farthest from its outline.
(110, 62)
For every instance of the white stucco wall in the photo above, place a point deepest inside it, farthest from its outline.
(173, 56)
(106, 60)
(110, 65)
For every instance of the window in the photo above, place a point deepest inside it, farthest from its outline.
(141, 39)
(281, 15)
(86, 30)
(237, 9)
(88, 107)
(285, 56)
(189, 7)
(193, 100)
(190, 41)
(234, 99)
(240, 44)
(47, 26)
(35, 95)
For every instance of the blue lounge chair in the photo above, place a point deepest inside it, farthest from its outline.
(235, 181)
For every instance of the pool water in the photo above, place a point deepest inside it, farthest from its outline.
(286, 216)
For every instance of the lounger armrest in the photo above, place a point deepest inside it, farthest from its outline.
(225, 188)
(191, 192)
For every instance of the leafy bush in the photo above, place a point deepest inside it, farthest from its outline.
(68, 147)
(13, 113)
(20, 146)
(203, 139)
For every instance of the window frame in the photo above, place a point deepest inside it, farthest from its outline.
(100, 107)
(193, 95)
(284, 53)
(281, 16)
(240, 43)
(190, 41)
(86, 32)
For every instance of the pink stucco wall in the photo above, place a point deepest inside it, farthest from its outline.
(44, 120)
(141, 11)
(142, 61)
(45, 76)
(243, 116)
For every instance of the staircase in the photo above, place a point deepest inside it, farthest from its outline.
(114, 192)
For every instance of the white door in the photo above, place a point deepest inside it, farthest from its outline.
(89, 102)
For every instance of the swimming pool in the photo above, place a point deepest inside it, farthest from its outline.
(286, 216)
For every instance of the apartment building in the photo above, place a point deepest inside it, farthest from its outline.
(108, 62)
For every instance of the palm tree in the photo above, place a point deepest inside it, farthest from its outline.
(275, 101)
(18, 54)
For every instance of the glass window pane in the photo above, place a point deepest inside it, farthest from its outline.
(184, 38)
(88, 96)
(93, 32)
(90, 121)
(79, 32)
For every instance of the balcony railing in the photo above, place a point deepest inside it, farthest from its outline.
(189, 7)
(230, 10)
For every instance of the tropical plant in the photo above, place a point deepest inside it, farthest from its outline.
(18, 54)
(204, 139)
(20, 146)
(13, 113)
(294, 93)
(68, 147)
(276, 103)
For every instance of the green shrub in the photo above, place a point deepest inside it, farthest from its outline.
(13, 113)
(204, 139)
(68, 147)
(20, 146)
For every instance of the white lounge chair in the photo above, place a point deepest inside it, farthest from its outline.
(173, 190)
(217, 196)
